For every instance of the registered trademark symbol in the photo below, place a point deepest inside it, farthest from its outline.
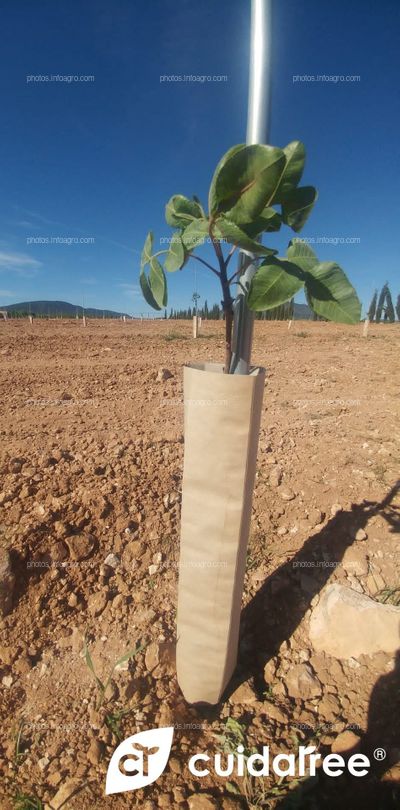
(379, 754)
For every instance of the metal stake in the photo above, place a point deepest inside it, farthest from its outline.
(257, 132)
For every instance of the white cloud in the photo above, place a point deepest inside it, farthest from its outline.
(7, 294)
(130, 289)
(18, 263)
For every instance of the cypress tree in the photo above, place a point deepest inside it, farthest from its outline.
(389, 312)
(372, 306)
(381, 303)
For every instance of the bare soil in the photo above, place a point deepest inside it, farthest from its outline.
(91, 465)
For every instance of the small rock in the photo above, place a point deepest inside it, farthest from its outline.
(65, 396)
(269, 670)
(80, 546)
(7, 681)
(282, 531)
(112, 560)
(275, 476)
(43, 763)
(163, 374)
(336, 508)
(15, 465)
(329, 708)
(286, 494)
(54, 779)
(72, 600)
(243, 694)
(360, 535)
(355, 562)
(345, 742)
(58, 552)
(95, 752)
(96, 603)
(275, 712)
(315, 517)
(202, 801)
(347, 624)
(63, 794)
(301, 682)
(175, 765)
(392, 775)
(7, 582)
(152, 656)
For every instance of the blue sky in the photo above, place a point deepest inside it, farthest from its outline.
(97, 160)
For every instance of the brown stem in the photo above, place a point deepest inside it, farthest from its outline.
(228, 339)
(227, 304)
(227, 301)
(206, 264)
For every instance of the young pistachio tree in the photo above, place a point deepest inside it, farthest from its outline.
(254, 190)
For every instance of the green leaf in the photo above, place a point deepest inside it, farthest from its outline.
(275, 282)
(146, 291)
(331, 295)
(90, 665)
(233, 788)
(180, 211)
(295, 154)
(158, 283)
(176, 255)
(212, 197)
(297, 205)
(245, 181)
(147, 250)
(195, 234)
(268, 222)
(301, 254)
(231, 232)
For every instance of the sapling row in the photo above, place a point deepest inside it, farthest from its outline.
(255, 190)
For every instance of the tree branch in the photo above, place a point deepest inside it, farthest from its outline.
(230, 254)
(206, 264)
(241, 269)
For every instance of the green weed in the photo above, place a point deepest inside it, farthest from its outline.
(23, 801)
(103, 686)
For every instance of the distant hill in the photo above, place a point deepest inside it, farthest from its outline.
(57, 308)
(302, 312)
(53, 309)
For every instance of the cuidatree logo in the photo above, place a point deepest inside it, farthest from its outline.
(139, 760)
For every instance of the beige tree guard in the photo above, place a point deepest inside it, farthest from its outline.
(222, 421)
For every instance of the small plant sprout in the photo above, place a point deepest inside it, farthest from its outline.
(103, 686)
(255, 189)
(23, 801)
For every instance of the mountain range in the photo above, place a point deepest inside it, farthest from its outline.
(63, 308)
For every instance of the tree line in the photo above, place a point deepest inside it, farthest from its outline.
(284, 312)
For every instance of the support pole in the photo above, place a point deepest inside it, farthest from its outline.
(257, 132)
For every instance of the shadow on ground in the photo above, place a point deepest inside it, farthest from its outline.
(283, 597)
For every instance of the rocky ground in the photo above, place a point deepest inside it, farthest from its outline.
(91, 463)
